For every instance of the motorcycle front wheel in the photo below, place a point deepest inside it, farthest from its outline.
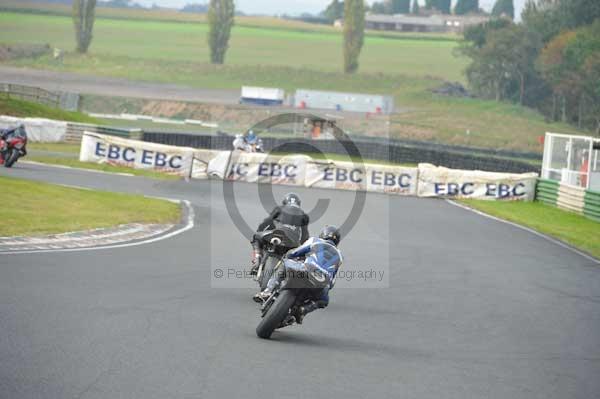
(267, 271)
(276, 314)
(11, 158)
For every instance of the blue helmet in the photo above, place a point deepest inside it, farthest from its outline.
(251, 138)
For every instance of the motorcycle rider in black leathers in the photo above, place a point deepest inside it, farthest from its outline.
(288, 214)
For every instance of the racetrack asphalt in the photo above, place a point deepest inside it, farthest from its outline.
(474, 309)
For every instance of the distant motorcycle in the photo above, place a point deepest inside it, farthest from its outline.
(13, 145)
(302, 283)
(248, 144)
(276, 243)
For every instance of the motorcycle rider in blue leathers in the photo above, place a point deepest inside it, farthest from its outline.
(321, 252)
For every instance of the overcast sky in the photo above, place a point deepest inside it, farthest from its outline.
(292, 7)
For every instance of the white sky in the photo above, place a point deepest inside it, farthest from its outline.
(292, 7)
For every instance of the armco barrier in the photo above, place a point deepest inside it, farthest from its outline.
(570, 198)
(591, 208)
(547, 191)
(369, 149)
(75, 132)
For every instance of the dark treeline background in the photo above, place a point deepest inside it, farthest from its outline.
(549, 61)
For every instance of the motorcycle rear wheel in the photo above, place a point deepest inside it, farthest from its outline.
(276, 314)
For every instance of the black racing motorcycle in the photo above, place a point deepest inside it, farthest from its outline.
(276, 243)
(302, 283)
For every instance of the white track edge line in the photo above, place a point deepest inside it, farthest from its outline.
(189, 225)
(530, 230)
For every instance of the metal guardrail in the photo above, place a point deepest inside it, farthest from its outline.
(33, 94)
(75, 132)
(570, 198)
(547, 191)
(390, 152)
(591, 208)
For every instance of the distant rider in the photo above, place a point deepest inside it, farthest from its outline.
(249, 142)
(321, 252)
(289, 214)
(5, 135)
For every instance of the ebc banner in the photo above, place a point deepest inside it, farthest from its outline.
(362, 177)
(135, 154)
(263, 168)
(437, 181)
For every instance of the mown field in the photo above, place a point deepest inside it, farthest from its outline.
(169, 15)
(176, 42)
(282, 54)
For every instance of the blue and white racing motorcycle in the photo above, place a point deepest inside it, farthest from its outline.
(302, 283)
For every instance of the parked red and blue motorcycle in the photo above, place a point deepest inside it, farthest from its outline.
(13, 145)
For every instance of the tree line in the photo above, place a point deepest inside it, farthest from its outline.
(462, 7)
(549, 61)
(220, 18)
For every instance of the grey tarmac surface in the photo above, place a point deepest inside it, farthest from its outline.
(104, 86)
(474, 309)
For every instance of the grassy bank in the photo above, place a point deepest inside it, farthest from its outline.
(27, 210)
(405, 68)
(569, 227)
(21, 108)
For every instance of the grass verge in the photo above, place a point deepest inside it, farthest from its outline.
(54, 147)
(569, 227)
(21, 108)
(74, 163)
(27, 208)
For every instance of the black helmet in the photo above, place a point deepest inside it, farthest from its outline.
(291, 199)
(331, 233)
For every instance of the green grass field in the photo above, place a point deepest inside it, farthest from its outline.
(176, 42)
(281, 54)
(569, 227)
(166, 15)
(31, 213)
